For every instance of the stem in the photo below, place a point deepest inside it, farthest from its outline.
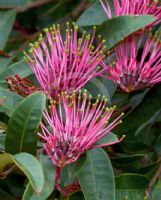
(153, 181)
(29, 6)
(84, 4)
(3, 175)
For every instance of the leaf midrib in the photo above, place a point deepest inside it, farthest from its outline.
(93, 175)
(25, 125)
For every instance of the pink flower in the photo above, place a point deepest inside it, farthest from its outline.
(132, 7)
(64, 64)
(74, 125)
(137, 62)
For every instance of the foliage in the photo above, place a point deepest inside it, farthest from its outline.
(119, 172)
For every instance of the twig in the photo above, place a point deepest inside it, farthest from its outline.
(28, 6)
(126, 109)
(153, 180)
(7, 172)
(80, 8)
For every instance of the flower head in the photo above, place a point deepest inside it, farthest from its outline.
(75, 125)
(64, 64)
(132, 7)
(137, 62)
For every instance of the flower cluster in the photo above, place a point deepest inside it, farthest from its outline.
(73, 123)
(132, 7)
(64, 65)
(137, 62)
(76, 124)
(63, 61)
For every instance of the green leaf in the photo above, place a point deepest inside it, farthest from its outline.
(15, 3)
(115, 29)
(120, 99)
(7, 19)
(136, 99)
(141, 114)
(131, 181)
(8, 101)
(108, 139)
(139, 163)
(130, 194)
(20, 68)
(70, 172)
(94, 15)
(138, 194)
(126, 159)
(96, 176)
(4, 62)
(49, 173)
(144, 127)
(32, 169)
(101, 86)
(156, 193)
(22, 127)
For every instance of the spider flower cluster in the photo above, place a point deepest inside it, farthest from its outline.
(132, 7)
(64, 65)
(137, 62)
(75, 125)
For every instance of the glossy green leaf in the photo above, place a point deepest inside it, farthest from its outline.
(120, 99)
(108, 139)
(156, 192)
(96, 176)
(8, 101)
(130, 194)
(32, 169)
(125, 159)
(4, 62)
(20, 68)
(49, 173)
(139, 163)
(144, 127)
(115, 29)
(131, 181)
(141, 114)
(101, 86)
(6, 22)
(137, 195)
(94, 15)
(15, 3)
(148, 167)
(70, 172)
(22, 127)
(136, 99)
